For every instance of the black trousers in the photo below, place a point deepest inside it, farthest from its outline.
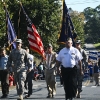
(69, 81)
(61, 81)
(4, 77)
(29, 79)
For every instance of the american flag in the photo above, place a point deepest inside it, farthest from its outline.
(34, 38)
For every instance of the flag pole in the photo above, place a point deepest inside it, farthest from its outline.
(10, 32)
(4, 5)
(19, 23)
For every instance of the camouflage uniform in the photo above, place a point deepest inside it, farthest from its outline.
(79, 77)
(84, 60)
(19, 58)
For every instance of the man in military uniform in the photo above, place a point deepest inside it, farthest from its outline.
(79, 77)
(19, 58)
(50, 71)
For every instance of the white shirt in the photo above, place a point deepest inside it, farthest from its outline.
(69, 56)
(31, 57)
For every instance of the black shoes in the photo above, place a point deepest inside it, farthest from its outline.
(97, 85)
(71, 99)
(50, 96)
(4, 96)
(27, 96)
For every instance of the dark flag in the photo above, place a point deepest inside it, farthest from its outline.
(34, 38)
(10, 31)
(67, 29)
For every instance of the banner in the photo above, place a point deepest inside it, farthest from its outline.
(10, 31)
(67, 29)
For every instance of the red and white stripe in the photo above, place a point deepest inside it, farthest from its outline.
(35, 41)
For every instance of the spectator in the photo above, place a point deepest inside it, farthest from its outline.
(36, 75)
(90, 66)
(11, 79)
(40, 68)
(96, 74)
(99, 63)
(4, 75)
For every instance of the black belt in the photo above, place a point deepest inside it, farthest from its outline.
(68, 67)
(49, 68)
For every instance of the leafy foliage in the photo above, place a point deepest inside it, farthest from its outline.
(78, 21)
(92, 25)
(2, 25)
(45, 15)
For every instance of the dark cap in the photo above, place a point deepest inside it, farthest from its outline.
(49, 45)
(78, 42)
(18, 40)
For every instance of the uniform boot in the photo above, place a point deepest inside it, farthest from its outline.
(27, 96)
(71, 99)
(20, 97)
(78, 95)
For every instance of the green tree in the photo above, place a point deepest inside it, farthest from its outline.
(92, 25)
(78, 22)
(3, 36)
(45, 15)
(90, 13)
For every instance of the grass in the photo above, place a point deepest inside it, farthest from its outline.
(97, 46)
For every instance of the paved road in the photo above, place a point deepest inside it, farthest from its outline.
(90, 92)
(90, 47)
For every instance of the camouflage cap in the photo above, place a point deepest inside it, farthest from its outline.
(18, 40)
(78, 42)
(49, 45)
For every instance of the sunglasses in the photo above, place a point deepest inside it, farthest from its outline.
(18, 43)
(69, 42)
